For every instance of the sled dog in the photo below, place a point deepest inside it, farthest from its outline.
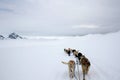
(68, 51)
(71, 68)
(85, 63)
(82, 59)
(77, 54)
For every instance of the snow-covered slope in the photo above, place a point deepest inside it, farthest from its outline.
(40, 59)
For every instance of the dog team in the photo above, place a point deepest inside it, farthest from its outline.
(82, 60)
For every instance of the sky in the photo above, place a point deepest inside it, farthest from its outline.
(59, 17)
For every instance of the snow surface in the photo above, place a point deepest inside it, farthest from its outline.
(40, 59)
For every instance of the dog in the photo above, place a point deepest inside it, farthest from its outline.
(71, 68)
(68, 51)
(85, 63)
(77, 54)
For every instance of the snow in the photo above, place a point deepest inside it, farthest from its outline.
(40, 59)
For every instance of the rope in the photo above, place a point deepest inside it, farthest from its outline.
(76, 77)
(78, 69)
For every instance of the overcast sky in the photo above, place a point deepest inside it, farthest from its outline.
(59, 17)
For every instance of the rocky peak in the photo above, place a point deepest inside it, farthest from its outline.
(1, 37)
(14, 36)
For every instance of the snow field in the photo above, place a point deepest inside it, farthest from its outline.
(40, 59)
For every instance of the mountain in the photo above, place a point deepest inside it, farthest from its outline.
(14, 36)
(2, 37)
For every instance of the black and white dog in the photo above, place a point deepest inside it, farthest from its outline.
(68, 51)
(77, 54)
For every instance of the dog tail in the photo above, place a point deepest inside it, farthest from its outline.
(64, 62)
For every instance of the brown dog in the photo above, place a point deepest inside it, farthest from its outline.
(71, 67)
(85, 63)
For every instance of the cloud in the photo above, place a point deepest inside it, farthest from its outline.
(5, 10)
(86, 26)
(66, 17)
